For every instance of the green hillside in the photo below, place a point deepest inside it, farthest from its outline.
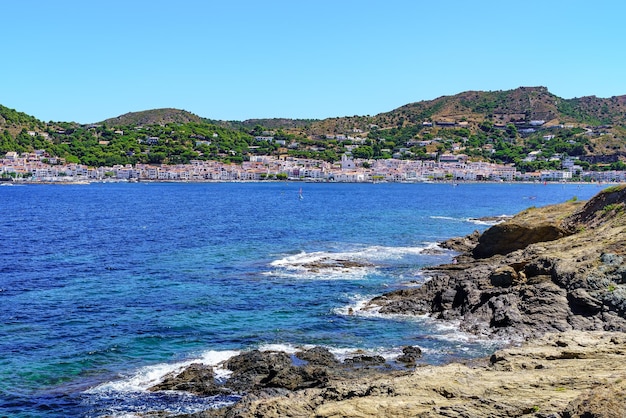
(153, 117)
(501, 126)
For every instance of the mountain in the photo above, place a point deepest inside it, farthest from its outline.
(528, 126)
(153, 117)
(523, 104)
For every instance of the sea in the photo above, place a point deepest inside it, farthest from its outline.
(107, 287)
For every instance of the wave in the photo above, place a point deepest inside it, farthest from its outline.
(443, 343)
(353, 264)
(340, 353)
(490, 221)
(448, 330)
(129, 395)
(487, 221)
(149, 376)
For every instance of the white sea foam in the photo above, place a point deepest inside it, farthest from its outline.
(494, 221)
(340, 353)
(440, 330)
(358, 306)
(448, 218)
(476, 221)
(148, 376)
(287, 348)
(353, 264)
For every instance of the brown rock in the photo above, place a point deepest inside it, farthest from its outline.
(509, 236)
(539, 378)
(504, 277)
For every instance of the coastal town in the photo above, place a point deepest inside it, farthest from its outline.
(40, 167)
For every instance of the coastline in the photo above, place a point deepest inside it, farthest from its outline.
(405, 219)
(62, 181)
(572, 374)
(567, 330)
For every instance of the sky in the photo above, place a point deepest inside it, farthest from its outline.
(86, 61)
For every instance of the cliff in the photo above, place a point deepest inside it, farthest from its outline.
(557, 268)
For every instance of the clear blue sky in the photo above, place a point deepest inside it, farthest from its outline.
(85, 61)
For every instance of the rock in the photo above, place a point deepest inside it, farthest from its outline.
(254, 369)
(505, 276)
(318, 356)
(505, 311)
(462, 244)
(295, 378)
(365, 360)
(595, 212)
(611, 259)
(509, 236)
(547, 269)
(582, 303)
(328, 263)
(573, 374)
(410, 354)
(601, 402)
(196, 378)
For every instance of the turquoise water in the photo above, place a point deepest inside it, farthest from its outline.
(104, 288)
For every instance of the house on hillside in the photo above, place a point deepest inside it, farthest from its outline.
(11, 156)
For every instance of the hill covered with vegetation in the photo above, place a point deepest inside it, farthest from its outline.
(527, 126)
(153, 117)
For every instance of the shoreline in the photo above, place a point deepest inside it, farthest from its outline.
(568, 337)
(148, 181)
(572, 374)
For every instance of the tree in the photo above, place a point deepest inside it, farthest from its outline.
(511, 130)
(365, 152)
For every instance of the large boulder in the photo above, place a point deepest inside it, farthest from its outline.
(275, 369)
(254, 368)
(509, 236)
(318, 356)
(197, 378)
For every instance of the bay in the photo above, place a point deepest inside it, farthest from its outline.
(104, 288)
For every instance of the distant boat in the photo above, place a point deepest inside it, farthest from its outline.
(300, 194)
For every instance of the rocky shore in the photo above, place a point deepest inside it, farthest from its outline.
(573, 374)
(551, 280)
(551, 269)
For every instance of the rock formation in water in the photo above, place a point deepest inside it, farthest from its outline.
(558, 268)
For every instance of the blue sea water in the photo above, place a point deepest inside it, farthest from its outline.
(104, 288)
